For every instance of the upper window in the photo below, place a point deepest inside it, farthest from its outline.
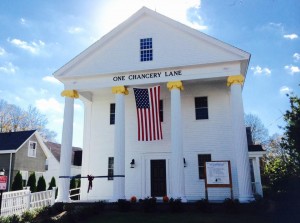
(202, 158)
(146, 49)
(201, 108)
(161, 110)
(32, 149)
(112, 114)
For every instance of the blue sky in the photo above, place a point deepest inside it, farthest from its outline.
(38, 37)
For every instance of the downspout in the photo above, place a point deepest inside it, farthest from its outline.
(9, 172)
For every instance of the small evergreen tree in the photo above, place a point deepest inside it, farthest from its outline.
(52, 183)
(73, 186)
(32, 182)
(18, 182)
(41, 185)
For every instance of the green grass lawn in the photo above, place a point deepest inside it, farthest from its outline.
(185, 217)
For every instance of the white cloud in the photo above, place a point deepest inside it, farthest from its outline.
(291, 36)
(23, 21)
(184, 11)
(292, 69)
(51, 79)
(36, 92)
(50, 105)
(261, 71)
(33, 47)
(296, 57)
(8, 68)
(74, 29)
(285, 90)
(2, 51)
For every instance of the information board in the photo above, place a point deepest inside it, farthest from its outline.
(218, 174)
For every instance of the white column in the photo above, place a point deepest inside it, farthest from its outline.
(66, 146)
(240, 138)
(85, 168)
(177, 171)
(258, 176)
(119, 148)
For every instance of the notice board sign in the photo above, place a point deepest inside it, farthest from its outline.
(218, 174)
(3, 182)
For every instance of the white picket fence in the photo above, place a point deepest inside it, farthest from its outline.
(17, 202)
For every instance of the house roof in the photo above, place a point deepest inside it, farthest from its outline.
(55, 149)
(13, 140)
(255, 148)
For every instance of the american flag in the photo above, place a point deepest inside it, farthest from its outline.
(147, 107)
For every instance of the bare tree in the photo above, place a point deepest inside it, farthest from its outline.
(13, 118)
(4, 120)
(259, 132)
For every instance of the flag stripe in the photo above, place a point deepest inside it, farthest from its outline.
(159, 127)
(139, 124)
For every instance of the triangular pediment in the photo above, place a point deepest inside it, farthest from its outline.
(174, 45)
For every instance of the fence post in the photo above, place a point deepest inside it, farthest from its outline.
(28, 192)
(53, 195)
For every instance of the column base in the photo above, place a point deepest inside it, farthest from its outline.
(63, 200)
(246, 199)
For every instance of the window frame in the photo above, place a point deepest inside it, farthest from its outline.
(110, 168)
(200, 108)
(32, 151)
(112, 113)
(146, 49)
(201, 166)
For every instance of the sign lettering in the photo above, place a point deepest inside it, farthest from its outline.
(151, 75)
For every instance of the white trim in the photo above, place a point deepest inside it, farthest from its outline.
(8, 151)
(257, 154)
(9, 171)
(32, 149)
(146, 171)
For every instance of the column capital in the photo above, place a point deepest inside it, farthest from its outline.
(70, 93)
(235, 79)
(175, 85)
(120, 90)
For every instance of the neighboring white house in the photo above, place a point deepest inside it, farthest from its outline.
(201, 110)
(52, 162)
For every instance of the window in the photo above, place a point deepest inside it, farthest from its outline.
(112, 113)
(24, 174)
(161, 110)
(201, 108)
(202, 158)
(32, 149)
(110, 168)
(46, 164)
(146, 49)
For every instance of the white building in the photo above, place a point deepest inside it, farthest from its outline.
(53, 161)
(201, 81)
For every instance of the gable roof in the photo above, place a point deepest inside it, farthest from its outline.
(12, 141)
(67, 71)
(55, 149)
(255, 148)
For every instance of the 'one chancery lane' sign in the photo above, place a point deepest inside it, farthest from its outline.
(150, 75)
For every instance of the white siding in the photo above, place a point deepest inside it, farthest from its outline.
(199, 136)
